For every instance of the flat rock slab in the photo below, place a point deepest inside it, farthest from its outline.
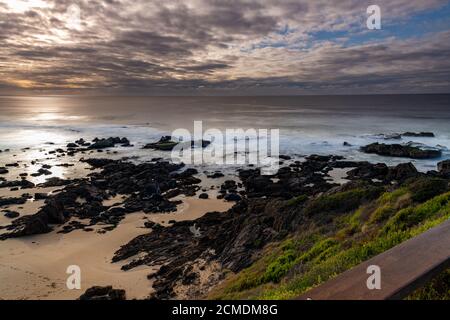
(404, 268)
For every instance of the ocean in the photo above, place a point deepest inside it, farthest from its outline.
(307, 124)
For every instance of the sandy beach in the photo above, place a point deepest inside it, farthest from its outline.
(35, 267)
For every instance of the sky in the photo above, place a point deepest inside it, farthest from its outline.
(229, 47)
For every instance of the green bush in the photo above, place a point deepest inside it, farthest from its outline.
(437, 289)
(411, 216)
(297, 200)
(321, 254)
(277, 269)
(342, 201)
(427, 188)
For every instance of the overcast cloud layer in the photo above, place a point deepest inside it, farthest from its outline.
(223, 47)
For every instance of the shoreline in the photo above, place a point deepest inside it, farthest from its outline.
(34, 267)
(105, 214)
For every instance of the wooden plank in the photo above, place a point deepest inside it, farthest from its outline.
(404, 268)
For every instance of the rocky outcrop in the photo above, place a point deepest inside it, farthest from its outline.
(444, 167)
(368, 171)
(103, 293)
(164, 144)
(381, 172)
(23, 184)
(167, 144)
(13, 201)
(149, 187)
(419, 134)
(402, 172)
(230, 238)
(27, 225)
(398, 150)
(11, 214)
(108, 143)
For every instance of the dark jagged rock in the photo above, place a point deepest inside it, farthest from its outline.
(167, 144)
(3, 170)
(13, 201)
(97, 162)
(291, 180)
(229, 185)
(203, 196)
(23, 184)
(147, 186)
(27, 225)
(40, 196)
(11, 214)
(55, 182)
(108, 143)
(444, 167)
(398, 150)
(369, 171)
(402, 171)
(82, 142)
(15, 164)
(230, 238)
(381, 172)
(103, 293)
(216, 175)
(149, 224)
(418, 134)
(232, 197)
(41, 172)
(164, 144)
(102, 144)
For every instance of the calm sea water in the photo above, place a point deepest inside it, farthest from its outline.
(308, 124)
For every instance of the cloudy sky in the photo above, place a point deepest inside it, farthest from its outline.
(223, 47)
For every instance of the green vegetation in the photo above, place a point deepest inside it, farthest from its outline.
(426, 188)
(297, 200)
(437, 289)
(342, 201)
(369, 222)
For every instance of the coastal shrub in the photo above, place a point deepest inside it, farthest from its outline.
(411, 216)
(297, 200)
(342, 261)
(256, 273)
(283, 263)
(277, 269)
(389, 203)
(312, 260)
(342, 201)
(427, 188)
(391, 197)
(426, 216)
(319, 251)
(352, 224)
(436, 289)
(382, 213)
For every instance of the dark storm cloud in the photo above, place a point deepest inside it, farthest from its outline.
(240, 45)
